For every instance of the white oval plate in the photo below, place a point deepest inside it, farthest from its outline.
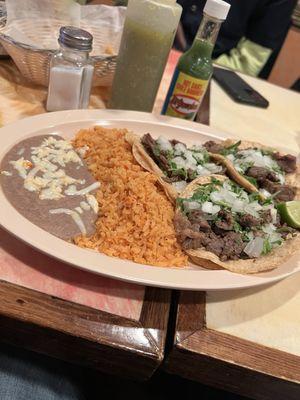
(66, 124)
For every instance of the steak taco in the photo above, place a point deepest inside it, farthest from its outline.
(257, 167)
(172, 161)
(220, 225)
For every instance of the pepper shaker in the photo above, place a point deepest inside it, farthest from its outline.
(71, 71)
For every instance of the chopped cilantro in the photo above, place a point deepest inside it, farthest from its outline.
(244, 166)
(156, 150)
(206, 157)
(267, 247)
(192, 175)
(267, 152)
(230, 149)
(255, 196)
(170, 154)
(267, 201)
(236, 188)
(237, 227)
(202, 194)
(216, 181)
(179, 203)
(251, 180)
(175, 171)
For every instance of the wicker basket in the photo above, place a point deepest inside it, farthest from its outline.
(34, 63)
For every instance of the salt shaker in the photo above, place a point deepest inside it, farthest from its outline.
(71, 71)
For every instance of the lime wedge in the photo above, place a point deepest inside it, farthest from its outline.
(290, 213)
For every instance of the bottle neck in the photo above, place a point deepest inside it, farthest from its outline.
(207, 35)
(76, 56)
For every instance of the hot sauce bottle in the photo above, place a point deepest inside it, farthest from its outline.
(194, 68)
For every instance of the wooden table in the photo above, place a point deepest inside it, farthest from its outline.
(245, 341)
(60, 321)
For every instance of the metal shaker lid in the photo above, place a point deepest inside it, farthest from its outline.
(75, 38)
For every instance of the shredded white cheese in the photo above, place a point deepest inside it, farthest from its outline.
(75, 216)
(82, 150)
(72, 191)
(85, 206)
(92, 202)
(6, 173)
(21, 166)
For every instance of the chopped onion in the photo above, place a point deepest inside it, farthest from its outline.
(192, 205)
(255, 247)
(230, 157)
(198, 148)
(190, 157)
(238, 206)
(275, 237)
(268, 228)
(209, 208)
(198, 156)
(213, 168)
(228, 197)
(179, 186)
(273, 212)
(249, 210)
(265, 193)
(179, 161)
(180, 148)
(216, 197)
(164, 144)
(201, 171)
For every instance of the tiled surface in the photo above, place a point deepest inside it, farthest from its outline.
(22, 265)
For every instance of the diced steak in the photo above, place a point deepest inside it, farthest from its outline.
(191, 235)
(198, 221)
(233, 246)
(181, 222)
(213, 147)
(163, 162)
(248, 221)
(286, 162)
(150, 146)
(286, 192)
(226, 222)
(149, 143)
(171, 179)
(213, 243)
(261, 173)
(266, 217)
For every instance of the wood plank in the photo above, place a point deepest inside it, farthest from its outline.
(84, 335)
(228, 362)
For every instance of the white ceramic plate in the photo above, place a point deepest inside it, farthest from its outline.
(66, 124)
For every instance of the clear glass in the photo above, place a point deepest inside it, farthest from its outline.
(70, 81)
(147, 39)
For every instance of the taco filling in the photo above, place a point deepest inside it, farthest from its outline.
(222, 218)
(179, 163)
(265, 169)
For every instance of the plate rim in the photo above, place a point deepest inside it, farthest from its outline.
(50, 120)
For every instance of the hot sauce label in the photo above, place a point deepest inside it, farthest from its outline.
(185, 96)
